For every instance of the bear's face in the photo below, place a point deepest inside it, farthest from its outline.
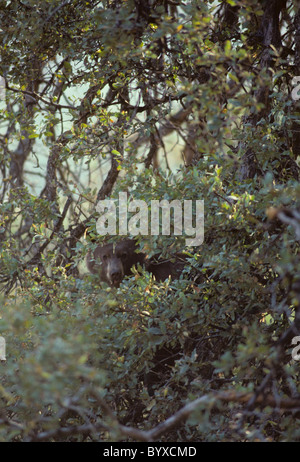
(114, 261)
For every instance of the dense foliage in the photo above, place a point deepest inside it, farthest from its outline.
(161, 99)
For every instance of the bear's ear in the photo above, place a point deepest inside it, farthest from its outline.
(127, 244)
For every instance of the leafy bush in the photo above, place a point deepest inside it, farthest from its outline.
(102, 99)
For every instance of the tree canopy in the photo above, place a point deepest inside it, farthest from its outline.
(161, 99)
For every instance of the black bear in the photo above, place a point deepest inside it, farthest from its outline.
(114, 261)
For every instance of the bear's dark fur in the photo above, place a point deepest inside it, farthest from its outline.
(114, 261)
